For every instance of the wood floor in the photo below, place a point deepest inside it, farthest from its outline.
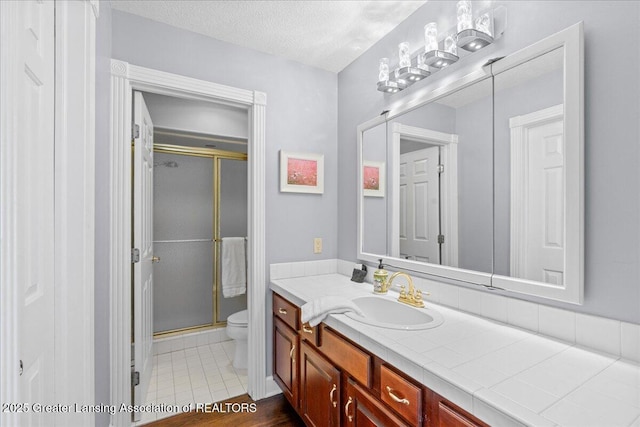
(271, 412)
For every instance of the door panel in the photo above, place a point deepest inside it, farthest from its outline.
(143, 241)
(232, 217)
(537, 202)
(34, 220)
(420, 205)
(319, 389)
(285, 355)
(183, 234)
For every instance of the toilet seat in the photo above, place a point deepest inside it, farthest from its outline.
(238, 320)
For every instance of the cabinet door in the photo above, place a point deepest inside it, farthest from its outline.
(363, 410)
(442, 413)
(285, 360)
(319, 389)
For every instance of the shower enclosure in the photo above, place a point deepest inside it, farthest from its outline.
(200, 196)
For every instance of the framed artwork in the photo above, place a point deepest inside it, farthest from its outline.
(301, 172)
(373, 178)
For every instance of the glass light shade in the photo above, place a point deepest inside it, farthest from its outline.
(484, 23)
(465, 19)
(403, 53)
(430, 37)
(420, 62)
(450, 45)
(383, 71)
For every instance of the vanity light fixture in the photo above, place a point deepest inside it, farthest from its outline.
(406, 72)
(472, 35)
(386, 80)
(469, 34)
(433, 56)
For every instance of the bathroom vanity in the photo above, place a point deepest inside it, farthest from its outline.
(332, 381)
(466, 371)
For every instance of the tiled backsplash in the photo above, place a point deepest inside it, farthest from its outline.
(614, 337)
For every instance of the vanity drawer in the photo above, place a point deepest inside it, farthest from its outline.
(286, 311)
(401, 395)
(311, 334)
(347, 356)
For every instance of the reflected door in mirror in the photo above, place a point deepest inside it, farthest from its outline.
(420, 204)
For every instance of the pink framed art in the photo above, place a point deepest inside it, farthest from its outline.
(301, 172)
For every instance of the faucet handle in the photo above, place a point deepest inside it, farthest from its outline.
(403, 292)
(418, 296)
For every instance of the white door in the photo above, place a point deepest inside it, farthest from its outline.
(420, 205)
(143, 243)
(537, 198)
(545, 227)
(34, 205)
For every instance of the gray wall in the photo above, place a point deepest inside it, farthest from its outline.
(612, 94)
(301, 116)
(103, 112)
(475, 185)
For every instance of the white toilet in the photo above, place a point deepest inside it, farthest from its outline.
(237, 330)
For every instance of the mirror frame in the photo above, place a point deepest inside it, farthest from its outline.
(571, 40)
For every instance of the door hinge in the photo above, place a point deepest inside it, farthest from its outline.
(135, 378)
(135, 132)
(440, 168)
(21, 368)
(440, 238)
(135, 255)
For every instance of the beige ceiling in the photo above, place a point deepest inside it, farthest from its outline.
(323, 34)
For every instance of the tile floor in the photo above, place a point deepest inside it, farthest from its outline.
(202, 374)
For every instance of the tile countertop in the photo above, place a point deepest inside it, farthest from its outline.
(503, 375)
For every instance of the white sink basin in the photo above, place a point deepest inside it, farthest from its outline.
(391, 314)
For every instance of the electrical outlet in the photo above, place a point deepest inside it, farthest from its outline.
(317, 245)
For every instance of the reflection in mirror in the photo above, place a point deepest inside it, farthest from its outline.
(374, 205)
(439, 182)
(529, 170)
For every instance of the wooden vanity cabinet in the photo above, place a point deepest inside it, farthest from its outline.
(443, 413)
(286, 348)
(361, 409)
(285, 360)
(320, 389)
(332, 382)
(401, 395)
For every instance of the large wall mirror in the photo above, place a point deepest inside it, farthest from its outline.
(483, 182)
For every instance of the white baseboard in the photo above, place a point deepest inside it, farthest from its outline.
(271, 388)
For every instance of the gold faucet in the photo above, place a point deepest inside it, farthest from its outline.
(411, 297)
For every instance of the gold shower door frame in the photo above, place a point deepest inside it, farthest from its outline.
(216, 156)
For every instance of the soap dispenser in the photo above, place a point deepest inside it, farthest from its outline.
(380, 279)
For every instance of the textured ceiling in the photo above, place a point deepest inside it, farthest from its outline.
(323, 34)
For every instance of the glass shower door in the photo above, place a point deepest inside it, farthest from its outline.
(183, 233)
(232, 222)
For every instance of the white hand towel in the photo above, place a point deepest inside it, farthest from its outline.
(315, 311)
(234, 269)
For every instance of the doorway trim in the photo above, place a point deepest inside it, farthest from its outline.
(448, 184)
(125, 78)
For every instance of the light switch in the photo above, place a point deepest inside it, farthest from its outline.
(317, 245)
